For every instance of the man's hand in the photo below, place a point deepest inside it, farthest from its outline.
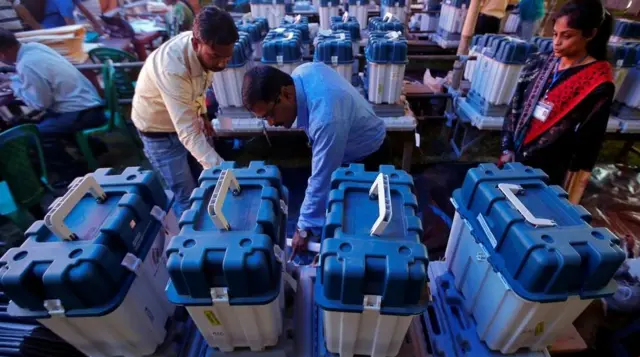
(298, 244)
(506, 157)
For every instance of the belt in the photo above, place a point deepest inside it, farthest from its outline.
(156, 134)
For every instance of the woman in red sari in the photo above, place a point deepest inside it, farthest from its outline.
(560, 110)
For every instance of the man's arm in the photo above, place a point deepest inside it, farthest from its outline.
(177, 97)
(25, 15)
(329, 143)
(32, 88)
(97, 26)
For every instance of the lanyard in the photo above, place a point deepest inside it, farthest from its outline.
(558, 74)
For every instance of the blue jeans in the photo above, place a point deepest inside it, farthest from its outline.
(55, 128)
(175, 164)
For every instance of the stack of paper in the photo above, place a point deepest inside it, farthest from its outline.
(66, 40)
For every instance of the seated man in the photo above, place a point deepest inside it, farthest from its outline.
(340, 124)
(179, 18)
(46, 81)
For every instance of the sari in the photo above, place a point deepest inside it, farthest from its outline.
(570, 138)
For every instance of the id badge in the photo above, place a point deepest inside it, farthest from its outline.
(542, 110)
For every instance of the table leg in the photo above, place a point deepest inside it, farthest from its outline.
(407, 152)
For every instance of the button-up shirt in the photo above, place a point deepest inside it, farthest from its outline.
(342, 127)
(169, 97)
(45, 80)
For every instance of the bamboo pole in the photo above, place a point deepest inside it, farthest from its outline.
(465, 41)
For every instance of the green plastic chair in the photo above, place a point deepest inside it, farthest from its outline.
(26, 184)
(10, 209)
(124, 77)
(115, 121)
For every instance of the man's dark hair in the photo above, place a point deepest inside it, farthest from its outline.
(7, 40)
(214, 26)
(263, 83)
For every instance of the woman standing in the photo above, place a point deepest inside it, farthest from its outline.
(560, 110)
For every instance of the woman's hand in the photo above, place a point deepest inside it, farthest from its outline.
(506, 157)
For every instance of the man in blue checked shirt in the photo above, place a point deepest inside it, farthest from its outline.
(340, 124)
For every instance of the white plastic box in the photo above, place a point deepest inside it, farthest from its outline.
(274, 11)
(101, 218)
(385, 67)
(452, 16)
(429, 21)
(326, 13)
(506, 322)
(137, 326)
(226, 327)
(360, 12)
(368, 334)
(512, 23)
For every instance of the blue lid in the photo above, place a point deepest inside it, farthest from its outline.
(260, 22)
(358, 2)
(334, 49)
(387, 48)
(545, 44)
(302, 26)
(457, 3)
(253, 30)
(398, 3)
(511, 51)
(241, 259)
(86, 274)
(626, 28)
(382, 24)
(541, 262)
(622, 55)
(453, 323)
(327, 3)
(282, 46)
(353, 263)
(352, 26)
(357, 173)
(242, 51)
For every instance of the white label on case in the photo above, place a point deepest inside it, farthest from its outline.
(334, 60)
(487, 231)
(280, 60)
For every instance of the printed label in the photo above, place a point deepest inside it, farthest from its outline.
(619, 63)
(539, 330)
(213, 320)
(137, 241)
(334, 60)
(280, 60)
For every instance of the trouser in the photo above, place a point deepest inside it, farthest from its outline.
(175, 164)
(55, 128)
(382, 156)
(487, 24)
(528, 29)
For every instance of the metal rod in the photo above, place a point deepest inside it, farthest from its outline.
(85, 67)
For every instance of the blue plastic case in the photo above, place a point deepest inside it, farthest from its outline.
(334, 49)
(384, 49)
(86, 274)
(352, 26)
(379, 24)
(302, 26)
(353, 263)
(509, 51)
(282, 46)
(543, 262)
(241, 259)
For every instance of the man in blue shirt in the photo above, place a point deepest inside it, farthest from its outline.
(46, 81)
(60, 13)
(340, 124)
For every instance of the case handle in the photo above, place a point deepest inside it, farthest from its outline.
(226, 181)
(510, 191)
(345, 16)
(387, 17)
(381, 190)
(60, 209)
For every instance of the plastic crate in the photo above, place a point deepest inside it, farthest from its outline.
(327, 10)
(386, 23)
(451, 330)
(499, 68)
(227, 84)
(544, 44)
(387, 56)
(625, 30)
(452, 15)
(272, 10)
(372, 275)
(226, 264)
(335, 49)
(519, 220)
(93, 271)
(282, 48)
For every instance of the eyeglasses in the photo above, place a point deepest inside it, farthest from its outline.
(271, 112)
